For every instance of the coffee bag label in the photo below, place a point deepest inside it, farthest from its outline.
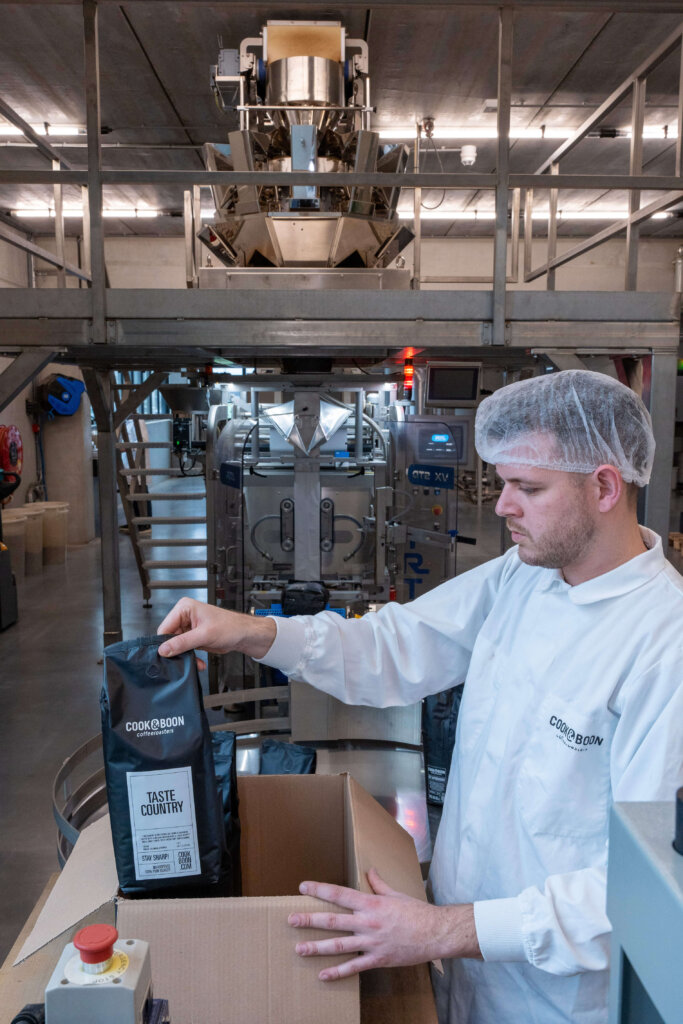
(163, 823)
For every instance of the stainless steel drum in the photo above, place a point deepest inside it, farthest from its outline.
(306, 82)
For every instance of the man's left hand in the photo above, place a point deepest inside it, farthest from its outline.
(387, 928)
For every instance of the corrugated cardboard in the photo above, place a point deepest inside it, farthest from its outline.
(232, 961)
(304, 40)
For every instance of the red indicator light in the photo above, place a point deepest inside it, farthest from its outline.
(408, 375)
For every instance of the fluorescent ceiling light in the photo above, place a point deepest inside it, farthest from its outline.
(541, 214)
(7, 129)
(471, 133)
(124, 213)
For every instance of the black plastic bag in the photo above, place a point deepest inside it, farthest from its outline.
(225, 760)
(439, 722)
(165, 811)
(278, 758)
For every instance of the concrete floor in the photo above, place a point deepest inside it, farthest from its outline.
(49, 694)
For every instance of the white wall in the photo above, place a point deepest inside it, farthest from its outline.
(131, 262)
(13, 267)
(602, 269)
(160, 263)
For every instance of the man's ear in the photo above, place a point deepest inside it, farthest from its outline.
(609, 485)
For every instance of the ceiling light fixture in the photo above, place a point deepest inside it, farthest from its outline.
(406, 132)
(45, 128)
(123, 213)
(540, 214)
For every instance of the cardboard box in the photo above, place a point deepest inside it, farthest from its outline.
(232, 961)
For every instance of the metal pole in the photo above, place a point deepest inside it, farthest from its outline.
(255, 437)
(360, 397)
(417, 205)
(552, 230)
(502, 170)
(92, 100)
(188, 224)
(679, 136)
(663, 412)
(99, 391)
(59, 229)
(86, 261)
(635, 167)
(197, 221)
(514, 241)
(528, 230)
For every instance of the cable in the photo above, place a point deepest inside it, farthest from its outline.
(362, 532)
(402, 512)
(359, 367)
(252, 538)
(443, 191)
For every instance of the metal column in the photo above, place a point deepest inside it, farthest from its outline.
(663, 412)
(503, 169)
(636, 167)
(99, 392)
(92, 100)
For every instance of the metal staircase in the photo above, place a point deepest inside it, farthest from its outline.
(136, 498)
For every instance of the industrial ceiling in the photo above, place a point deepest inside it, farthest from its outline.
(426, 61)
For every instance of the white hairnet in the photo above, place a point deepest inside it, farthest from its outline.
(574, 420)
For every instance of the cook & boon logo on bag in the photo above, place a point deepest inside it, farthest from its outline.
(155, 726)
(573, 739)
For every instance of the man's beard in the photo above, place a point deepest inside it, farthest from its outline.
(561, 546)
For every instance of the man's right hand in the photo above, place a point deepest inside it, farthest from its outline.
(199, 626)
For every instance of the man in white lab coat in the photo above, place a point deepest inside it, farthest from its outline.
(571, 646)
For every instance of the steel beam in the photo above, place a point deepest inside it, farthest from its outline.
(180, 311)
(425, 179)
(21, 371)
(417, 219)
(663, 412)
(137, 397)
(635, 168)
(679, 120)
(654, 60)
(59, 231)
(644, 213)
(94, 177)
(552, 230)
(43, 147)
(500, 240)
(20, 242)
(632, 6)
(99, 392)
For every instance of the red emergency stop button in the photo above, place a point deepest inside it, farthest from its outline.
(437, 510)
(95, 943)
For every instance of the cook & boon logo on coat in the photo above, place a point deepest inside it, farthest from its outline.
(573, 739)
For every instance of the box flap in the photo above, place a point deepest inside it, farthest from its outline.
(87, 882)
(232, 961)
(393, 995)
(380, 842)
(292, 829)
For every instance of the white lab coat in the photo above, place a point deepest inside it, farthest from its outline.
(573, 699)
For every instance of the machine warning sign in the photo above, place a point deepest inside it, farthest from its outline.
(163, 823)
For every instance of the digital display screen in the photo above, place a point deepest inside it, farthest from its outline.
(448, 446)
(449, 385)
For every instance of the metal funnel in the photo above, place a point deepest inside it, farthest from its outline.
(305, 82)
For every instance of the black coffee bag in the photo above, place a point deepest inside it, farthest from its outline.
(224, 745)
(166, 818)
(278, 758)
